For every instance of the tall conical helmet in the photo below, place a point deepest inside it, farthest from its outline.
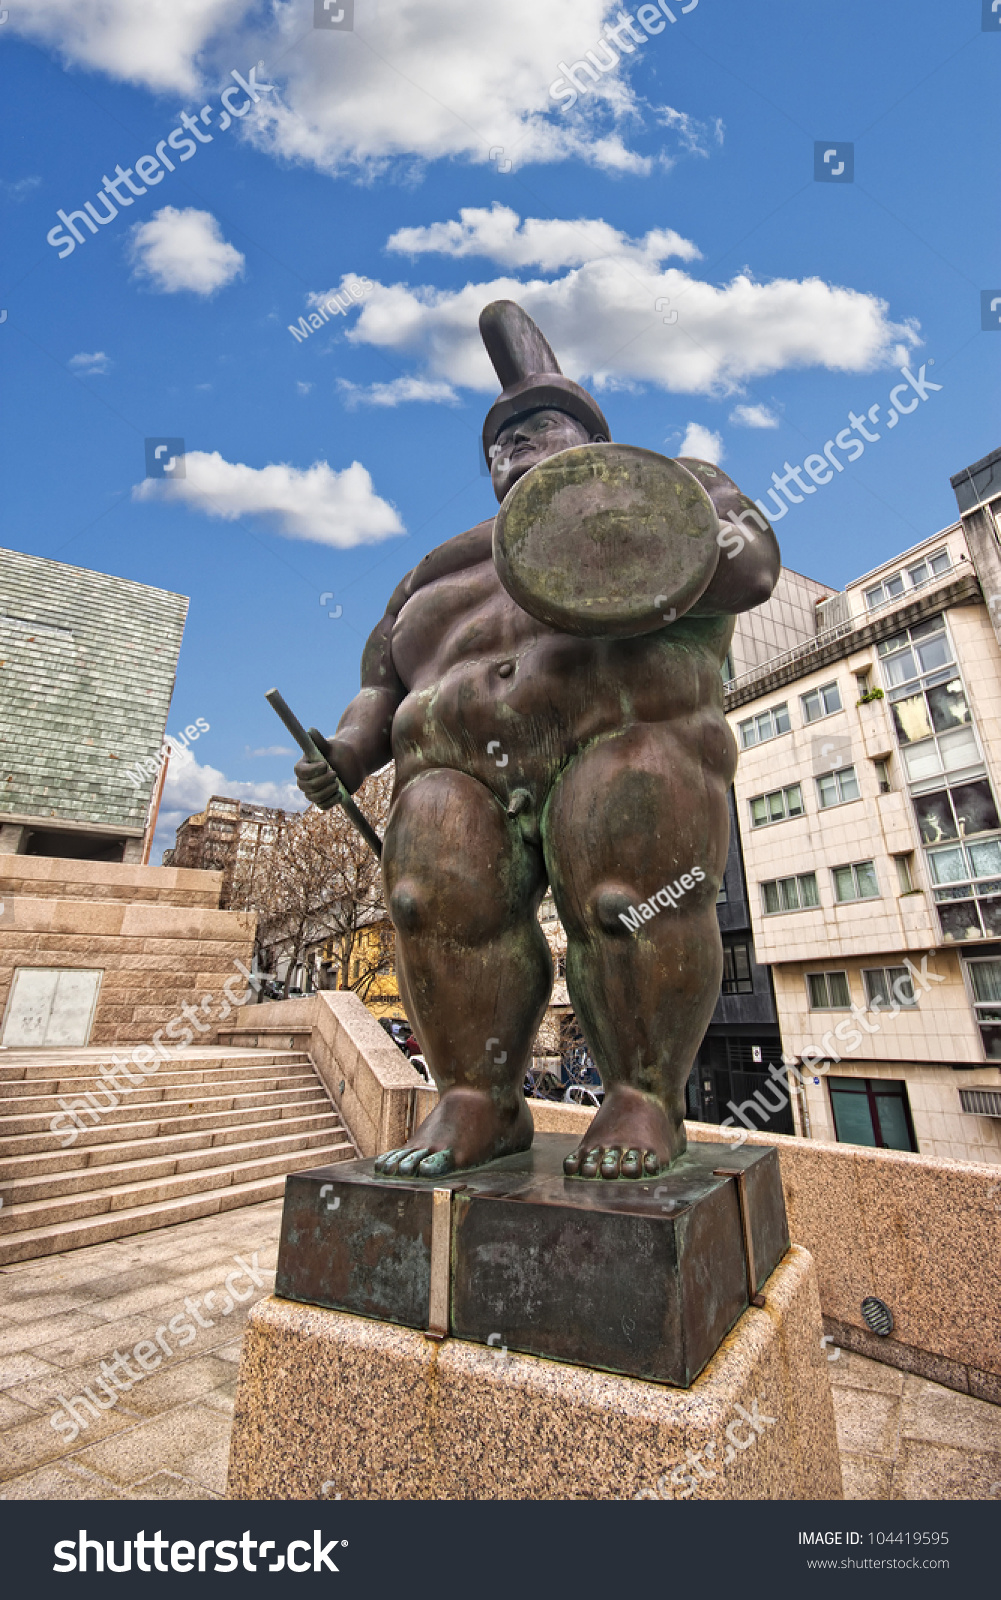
(530, 374)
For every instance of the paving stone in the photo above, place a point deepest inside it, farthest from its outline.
(171, 1486)
(162, 1442)
(867, 1421)
(866, 1477)
(936, 1472)
(60, 1482)
(939, 1416)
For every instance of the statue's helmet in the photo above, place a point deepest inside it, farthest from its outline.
(530, 375)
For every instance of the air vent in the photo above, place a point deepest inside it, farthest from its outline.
(877, 1316)
(982, 1102)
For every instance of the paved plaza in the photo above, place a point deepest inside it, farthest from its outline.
(165, 1313)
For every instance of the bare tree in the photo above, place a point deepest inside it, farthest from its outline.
(318, 880)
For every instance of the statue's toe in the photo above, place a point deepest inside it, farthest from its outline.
(571, 1163)
(589, 1165)
(387, 1163)
(411, 1161)
(610, 1162)
(436, 1165)
(651, 1164)
(631, 1165)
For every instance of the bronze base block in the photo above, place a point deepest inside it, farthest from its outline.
(331, 1406)
(641, 1278)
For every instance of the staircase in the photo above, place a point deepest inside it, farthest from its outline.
(213, 1129)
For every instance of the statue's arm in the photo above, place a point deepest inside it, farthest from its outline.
(746, 572)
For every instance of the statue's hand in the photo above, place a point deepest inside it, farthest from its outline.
(315, 779)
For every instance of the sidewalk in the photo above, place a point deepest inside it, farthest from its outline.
(167, 1436)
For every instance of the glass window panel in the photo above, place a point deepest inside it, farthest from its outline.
(811, 706)
(808, 889)
(874, 597)
(865, 872)
(990, 910)
(948, 866)
(759, 811)
(844, 883)
(886, 647)
(975, 808)
(776, 806)
(852, 1121)
(918, 574)
(894, 585)
(741, 961)
(817, 985)
(874, 979)
(781, 715)
(911, 718)
(794, 800)
(787, 888)
(901, 986)
(771, 896)
(935, 817)
(934, 652)
(827, 789)
(941, 561)
(893, 1127)
(992, 1043)
(924, 630)
(837, 985)
(748, 736)
(959, 750)
(985, 980)
(959, 919)
(899, 668)
(832, 698)
(849, 784)
(923, 760)
(985, 858)
(948, 707)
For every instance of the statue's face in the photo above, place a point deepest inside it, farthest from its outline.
(529, 440)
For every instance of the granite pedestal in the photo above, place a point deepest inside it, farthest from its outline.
(330, 1404)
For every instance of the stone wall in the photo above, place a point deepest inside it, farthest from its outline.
(155, 933)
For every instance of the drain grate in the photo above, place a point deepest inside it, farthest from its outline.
(877, 1316)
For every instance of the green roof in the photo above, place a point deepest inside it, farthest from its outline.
(87, 666)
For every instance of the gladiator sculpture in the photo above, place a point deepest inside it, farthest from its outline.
(549, 685)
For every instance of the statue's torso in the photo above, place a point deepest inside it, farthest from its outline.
(480, 672)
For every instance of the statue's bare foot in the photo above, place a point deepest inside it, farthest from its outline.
(466, 1128)
(631, 1137)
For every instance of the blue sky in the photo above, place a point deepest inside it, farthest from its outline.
(685, 175)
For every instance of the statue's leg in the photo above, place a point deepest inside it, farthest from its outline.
(463, 886)
(628, 818)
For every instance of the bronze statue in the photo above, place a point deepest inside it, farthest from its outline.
(589, 752)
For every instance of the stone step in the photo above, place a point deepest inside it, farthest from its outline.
(38, 1163)
(23, 1098)
(47, 1065)
(16, 1123)
(108, 1132)
(45, 1241)
(147, 1166)
(137, 1194)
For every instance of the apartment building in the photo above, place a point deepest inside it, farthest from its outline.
(867, 803)
(229, 836)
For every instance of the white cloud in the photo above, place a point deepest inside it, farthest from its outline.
(606, 316)
(702, 443)
(177, 250)
(317, 503)
(433, 82)
(20, 188)
(694, 136)
(157, 43)
(90, 366)
(302, 388)
(545, 242)
(189, 787)
(269, 750)
(396, 392)
(753, 417)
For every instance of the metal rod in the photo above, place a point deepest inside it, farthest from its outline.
(439, 1294)
(312, 752)
(739, 1175)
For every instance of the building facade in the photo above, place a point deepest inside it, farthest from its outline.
(229, 836)
(867, 801)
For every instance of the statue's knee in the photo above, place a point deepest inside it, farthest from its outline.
(408, 905)
(611, 904)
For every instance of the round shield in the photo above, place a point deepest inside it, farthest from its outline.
(606, 539)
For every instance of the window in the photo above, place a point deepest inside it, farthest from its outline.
(837, 788)
(931, 715)
(956, 812)
(882, 767)
(828, 991)
(727, 667)
(722, 897)
(888, 984)
(985, 986)
(930, 568)
(967, 879)
(767, 725)
(737, 969)
(857, 882)
(905, 873)
(821, 702)
(892, 587)
(872, 1111)
(883, 592)
(790, 894)
(777, 806)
